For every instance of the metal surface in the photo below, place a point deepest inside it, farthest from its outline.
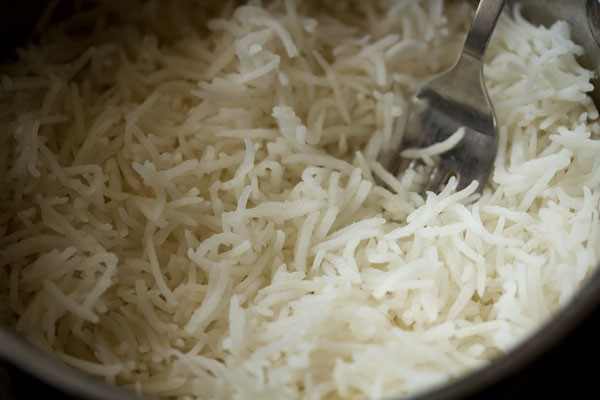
(51, 369)
(453, 100)
(6, 392)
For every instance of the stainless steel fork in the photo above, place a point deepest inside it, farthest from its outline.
(455, 99)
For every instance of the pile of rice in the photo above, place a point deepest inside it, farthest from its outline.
(188, 205)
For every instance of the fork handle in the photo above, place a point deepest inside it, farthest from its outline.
(481, 29)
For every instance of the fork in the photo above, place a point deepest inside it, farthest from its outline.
(456, 99)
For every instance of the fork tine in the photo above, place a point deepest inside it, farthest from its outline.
(463, 181)
(453, 100)
(439, 177)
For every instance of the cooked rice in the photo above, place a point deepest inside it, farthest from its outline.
(189, 206)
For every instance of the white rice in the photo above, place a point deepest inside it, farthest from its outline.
(189, 206)
(427, 153)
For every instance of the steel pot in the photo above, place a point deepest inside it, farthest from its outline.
(503, 378)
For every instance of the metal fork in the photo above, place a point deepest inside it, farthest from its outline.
(455, 99)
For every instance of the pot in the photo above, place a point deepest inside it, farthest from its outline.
(573, 327)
